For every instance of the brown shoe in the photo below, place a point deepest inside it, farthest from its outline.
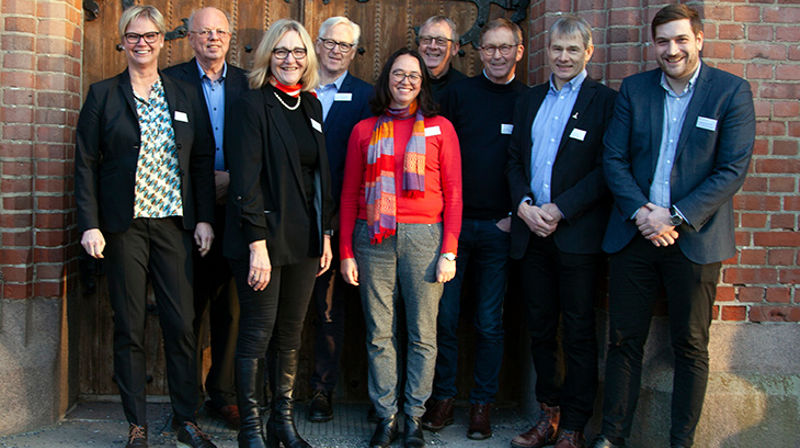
(544, 433)
(568, 438)
(438, 414)
(137, 436)
(480, 426)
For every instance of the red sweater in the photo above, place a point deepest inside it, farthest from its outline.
(442, 199)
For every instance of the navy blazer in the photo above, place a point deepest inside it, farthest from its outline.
(339, 122)
(235, 84)
(577, 185)
(107, 152)
(267, 198)
(709, 167)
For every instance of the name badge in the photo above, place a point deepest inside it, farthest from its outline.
(181, 116)
(709, 124)
(506, 128)
(344, 96)
(316, 125)
(577, 134)
(433, 130)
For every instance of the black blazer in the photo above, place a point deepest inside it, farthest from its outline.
(577, 187)
(710, 160)
(107, 152)
(266, 199)
(235, 84)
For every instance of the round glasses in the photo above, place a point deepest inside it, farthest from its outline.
(330, 44)
(399, 76)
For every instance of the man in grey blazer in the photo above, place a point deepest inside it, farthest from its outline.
(677, 150)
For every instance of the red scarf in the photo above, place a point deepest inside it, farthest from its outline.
(293, 90)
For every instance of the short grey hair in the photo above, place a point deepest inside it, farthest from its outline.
(336, 20)
(148, 12)
(439, 19)
(502, 22)
(568, 25)
(190, 23)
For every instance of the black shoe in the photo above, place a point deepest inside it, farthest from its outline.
(414, 437)
(372, 415)
(137, 436)
(190, 436)
(385, 432)
(249, 383)
(281, 429)
(604, 442)
(320, 409)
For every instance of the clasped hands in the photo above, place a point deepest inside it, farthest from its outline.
(543, 220)
(654, 224)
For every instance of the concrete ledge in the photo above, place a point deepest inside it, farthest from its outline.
(30, 338)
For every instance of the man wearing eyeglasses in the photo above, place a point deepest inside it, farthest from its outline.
(438, 43)
(345, 102)
(562, 205)
(220, 84)
(480, 109)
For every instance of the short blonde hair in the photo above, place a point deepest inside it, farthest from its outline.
(148, 12)
(261, 73)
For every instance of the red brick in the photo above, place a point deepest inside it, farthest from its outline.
(785, 147)
(742, 238)
(22, 239)
(753, 256)
(51, 238)
(734, 312)
(624, 35)
(747, 13)
(782, 185)
(759, 32)
(18, 7)
(781, 257)
(15, 186)
(719, 50)
(18, 203)
(54, 185)
(17, 168)
(756, 202)
(763, 109)
(18, 132)
(794, 52)
(19, 61)
(794, 129)
(50, 271)
(715, 312)
(52, 220)
(785, 221)
(48, 289)
(774, 314)
(755, 184)
(622, 53)
(779, 295)
(731, 31)
(754, 220)
(735, 68)
(16, 290)
(50, 168)
(778, 166)
(16, 274)
(751, 294)
(789, 276)
(760, 71)
(780, 91)
(17, 97)
(789, 33)
(732, 261)
(58, 100)
(54, 202)
(15, 220)
(791, 203)
(725, 294)
(716, 12)
(782, 14)
(750, 275)
(17, 42)
(56, 28)
(20, 24)
(52, 81)
(54, 151)
(51, 9)
(16, 114)
(786, 108)
(786, 72)
(19, 79)
(49, 255)
(54, 134)
(777, 239)
(15, 256)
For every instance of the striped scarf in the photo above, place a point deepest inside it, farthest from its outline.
(379, 176)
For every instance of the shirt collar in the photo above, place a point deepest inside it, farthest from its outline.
(505, 83)
(689, 87)
(337, 82)
(573, 84)
(203, 72)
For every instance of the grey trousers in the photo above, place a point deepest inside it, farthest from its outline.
(402, 267)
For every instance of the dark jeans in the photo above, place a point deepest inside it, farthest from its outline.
(158, 249)
(484, 248)
(634, 278)
(559, 286)
(278, 310)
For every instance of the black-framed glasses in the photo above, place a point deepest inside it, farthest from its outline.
(206, 34)
(399, 76)
(330, 44)
(439, 41)
(133, 38)
(283, 53)
(505, 49)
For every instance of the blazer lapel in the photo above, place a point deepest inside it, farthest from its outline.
(126, 88)
(656, 124)
(334, 110)
(308, 108)
(585, 95)
(698, 99)
(275, 113)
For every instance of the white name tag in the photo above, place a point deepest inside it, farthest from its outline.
(506, 128)
(577, 134)
(433, 130)
(344, 96)
(316, 125)
(709, 124)
(181, 116)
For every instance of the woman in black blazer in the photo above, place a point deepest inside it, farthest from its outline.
(279, 216)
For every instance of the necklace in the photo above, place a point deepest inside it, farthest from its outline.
(286, 105)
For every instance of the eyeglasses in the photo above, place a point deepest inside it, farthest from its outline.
(413, 77)
(133, 38)
(505, 49)
(283, 53)
(206, 34)
(440, 41)
(330, 44)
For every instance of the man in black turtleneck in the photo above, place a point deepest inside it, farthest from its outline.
(438, 43)
(481, 110)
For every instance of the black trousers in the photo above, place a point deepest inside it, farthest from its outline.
(562, 286)
(216, 307)
(160, 247)
(278, 312)
(635, 275)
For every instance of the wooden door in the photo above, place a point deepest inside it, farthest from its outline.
(386, 25)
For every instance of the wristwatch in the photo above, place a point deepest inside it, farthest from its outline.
(675, 218)
(449, 256)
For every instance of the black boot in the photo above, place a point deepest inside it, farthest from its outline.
(249, 384)
(280, 428)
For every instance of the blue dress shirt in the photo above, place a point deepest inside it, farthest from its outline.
(327, 94)
(214, 93)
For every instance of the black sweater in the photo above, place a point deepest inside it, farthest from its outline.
(478, 109)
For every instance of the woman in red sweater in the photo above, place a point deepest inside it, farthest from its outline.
(400, 219)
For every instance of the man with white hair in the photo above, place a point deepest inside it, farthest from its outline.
(438, 43)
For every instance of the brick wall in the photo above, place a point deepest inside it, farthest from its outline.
(39, 102)
(760, 41)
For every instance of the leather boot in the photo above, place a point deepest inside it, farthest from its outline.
(280, 428)
(249, 382)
